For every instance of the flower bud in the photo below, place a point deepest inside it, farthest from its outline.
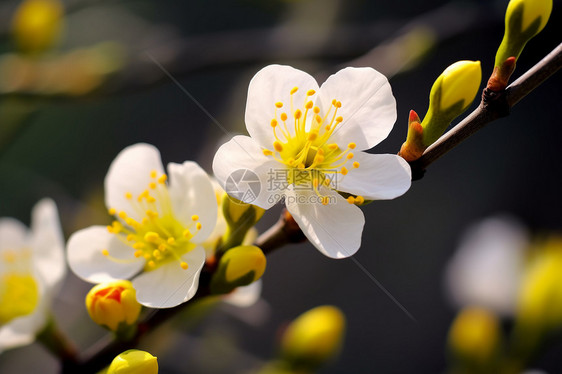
(37, 24)
(314, 337)
(451, 94)
(239, 266)
(474, 337)
(240, 217)
(523, 20)
(112, 304)
(134, 361)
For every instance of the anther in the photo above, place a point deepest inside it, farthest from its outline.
(283, 116)
(343, 171)
(339, 119)
(312, 136)
(128, 195)
(152, 185)
(359, 200)
(267, 152)
(351, 200)
(162, 247)
(153, 174)
(162, 179)
(310, 92)
(355, 164)
(198, 225)
(122, 215)
(333, 146)
(316, 110)
(187, 234)
(278, 146)
(139, 245)
(156, 253)
(298, 113)
(151, 236)
(105, 252)
(151, 263)
(138, 253)
(338, 104)
(112, 211)
(273, 123)
(308, 105)
(294, 90)
(130, 237)
(195, 217)
(171, 241)
(352, 145)
(279, 104)
(184, 265)
(349, 156)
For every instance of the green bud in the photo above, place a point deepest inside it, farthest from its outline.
(238, 267)
(240, 217)
(451, 94)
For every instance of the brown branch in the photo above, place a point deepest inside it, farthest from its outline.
(493, 106)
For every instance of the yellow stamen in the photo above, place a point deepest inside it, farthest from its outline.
(283, 116)
(273, 123)
(278, 146)
(184, 265)
(351, 200)
(279, 104)
(195, 217)
(310, 92)
(355, 164)
(105, 252)
(294, 90)
(352, 145)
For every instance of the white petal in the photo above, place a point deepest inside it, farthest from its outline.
(245, 172)
(170, 285)
(13, 234)
(487, 268)
(270, 85)
(334, 229)
(379, 177)
(192, 193)
(368, 106)
(85, 257)
(48, 244)
(246, 296)
(130, 172)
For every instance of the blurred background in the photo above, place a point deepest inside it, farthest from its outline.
(84, 88)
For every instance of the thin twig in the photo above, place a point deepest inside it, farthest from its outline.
(492, 107)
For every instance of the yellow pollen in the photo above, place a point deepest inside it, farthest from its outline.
(310, 92)
(338, 104)
(318, 119)
(355, 164)
(195, 217)
(152, 185)
(349, 156)
(198, 225)
(151, 263)
(328, 127)
(150, 199)
(267, 152)
(339, 119)
(283, 116)
(151, 236)
(359, 200)
(278, 146)
(316, 110)
(298, 113)
(273, 123)
(344, 171)
(122, 215)
(312, 136)
(352, 145)
(112, 211)
(105, 252)
(279, 104)
(138, 253)
(153, 174)
(294, 90)
(351, 200)
(184, 265)
(334, 101)
(128, 195)
(162, 179)
(171, 241)
(309, 105)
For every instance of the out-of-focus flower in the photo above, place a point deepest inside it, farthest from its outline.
(37, 24)
(451, 94)
(305, 144)
(32, 268)
(487, 268)
(158, 229)
(113, 303)
(523, 20)
(540, 299)
(314, 337)
(134, 361)
(239, 266)
(474, 337)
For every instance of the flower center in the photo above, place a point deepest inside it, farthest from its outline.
(159, 237)
(19, 295)
(302, 143)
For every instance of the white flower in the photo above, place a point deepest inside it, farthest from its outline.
(32, 268)
(157, 232)
(305, 144)
(487, 268)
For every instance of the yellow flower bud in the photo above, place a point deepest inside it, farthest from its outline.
(540, 300)
(315, 336)
(523, 20)
(37, 24)
(239, 266)
(451, 94)
(113, 303)
(134, 361)
(474, 336)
